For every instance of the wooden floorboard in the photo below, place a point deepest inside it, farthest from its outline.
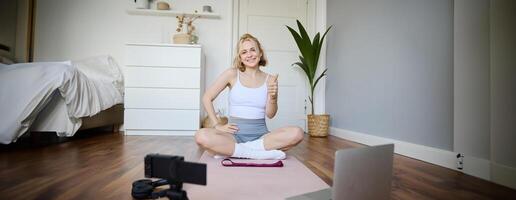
(103, 166)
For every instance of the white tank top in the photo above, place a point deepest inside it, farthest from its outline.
(247, 103)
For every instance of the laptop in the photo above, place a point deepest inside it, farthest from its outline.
(359, 173)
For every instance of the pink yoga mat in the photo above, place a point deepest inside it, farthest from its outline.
(255, 182)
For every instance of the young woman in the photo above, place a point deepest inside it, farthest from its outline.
(253, 95)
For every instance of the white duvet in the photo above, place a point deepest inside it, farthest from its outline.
(87, 87)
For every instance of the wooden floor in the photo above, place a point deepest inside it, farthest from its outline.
(103, 166)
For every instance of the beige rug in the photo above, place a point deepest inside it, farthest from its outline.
(255, 182)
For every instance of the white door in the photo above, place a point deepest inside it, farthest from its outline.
(266, 20)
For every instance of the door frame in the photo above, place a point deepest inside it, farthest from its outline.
(316, 22)
(25, 23)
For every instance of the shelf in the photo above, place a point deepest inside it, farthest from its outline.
(163, 44)
(170, 13)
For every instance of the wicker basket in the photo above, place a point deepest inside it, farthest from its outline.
(318, 125)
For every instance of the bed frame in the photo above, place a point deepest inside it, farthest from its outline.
(113, 116)
(54, 118)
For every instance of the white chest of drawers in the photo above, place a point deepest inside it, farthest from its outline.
(163, 86)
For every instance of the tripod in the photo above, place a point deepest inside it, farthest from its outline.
(175, 191)
(144, 189)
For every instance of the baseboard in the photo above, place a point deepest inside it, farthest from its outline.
(478, 167)
(473, 166)
(503, 175)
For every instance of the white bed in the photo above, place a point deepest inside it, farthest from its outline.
(55, 96)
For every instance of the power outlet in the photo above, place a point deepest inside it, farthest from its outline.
(460, 161)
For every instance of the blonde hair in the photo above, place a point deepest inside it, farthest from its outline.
(237, 62)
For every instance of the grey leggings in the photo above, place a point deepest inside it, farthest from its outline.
(249, 129)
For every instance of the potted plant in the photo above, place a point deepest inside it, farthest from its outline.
(308, 60)
(189, 37)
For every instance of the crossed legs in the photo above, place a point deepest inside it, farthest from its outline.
(215, 141)
(218, 142)
(283, 138)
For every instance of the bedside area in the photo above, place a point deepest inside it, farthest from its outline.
(163, 88)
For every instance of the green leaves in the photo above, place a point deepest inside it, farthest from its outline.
(309, 57)
(322, 74)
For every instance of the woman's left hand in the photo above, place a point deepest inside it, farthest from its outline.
(272, 88)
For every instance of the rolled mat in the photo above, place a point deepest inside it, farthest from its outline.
(255, 182)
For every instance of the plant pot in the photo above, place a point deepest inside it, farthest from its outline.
(318, 125)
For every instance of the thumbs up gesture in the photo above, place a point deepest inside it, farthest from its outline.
(272, 88)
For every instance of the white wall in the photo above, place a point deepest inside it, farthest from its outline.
(483, 80)
(485, 86)
(390, 69)
(75, 29)
(471, 129)
(503, 91)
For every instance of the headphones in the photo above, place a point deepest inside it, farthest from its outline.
(144, 189)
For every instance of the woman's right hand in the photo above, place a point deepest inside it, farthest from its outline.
(227, 128)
